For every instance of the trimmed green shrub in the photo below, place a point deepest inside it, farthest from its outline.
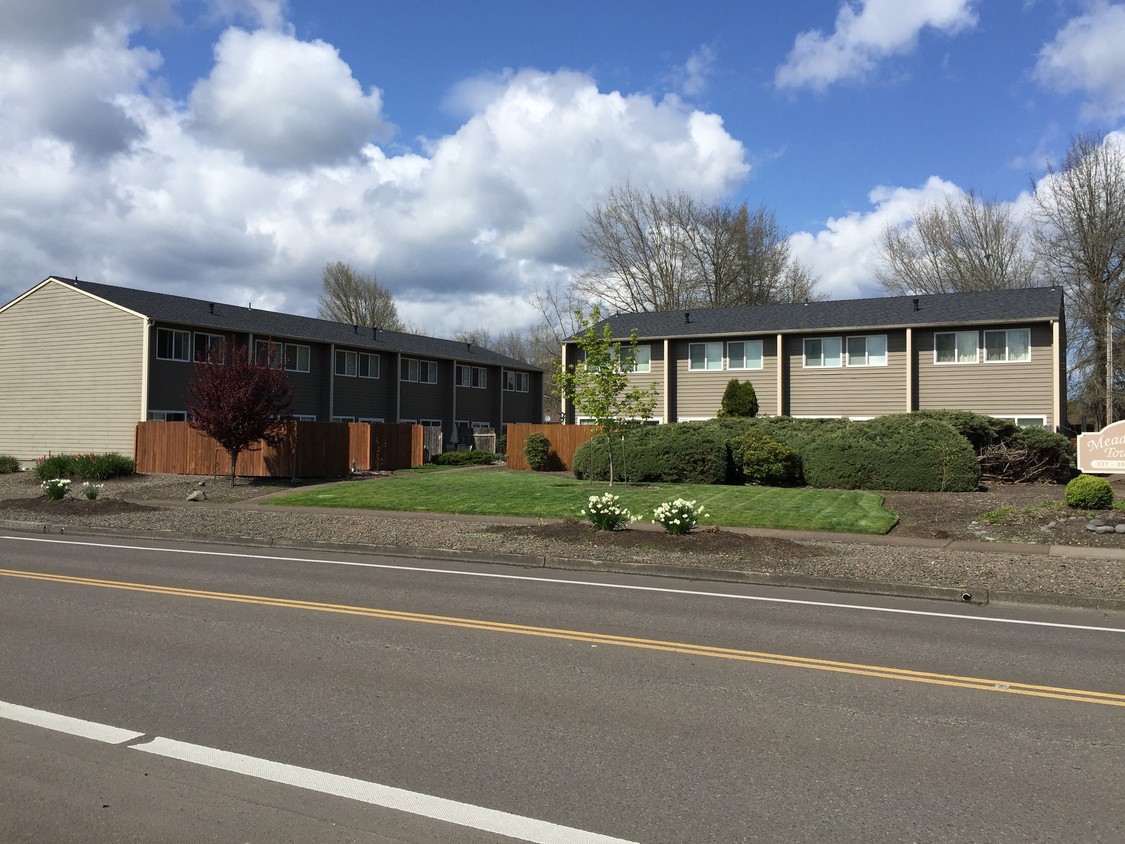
(763, 460)
(679, 452)
(8, 464)
(1089, 492)
(502, 445)
(537, 451)
(739, 400)
(90, 467)
(464, 458)
(899, 452)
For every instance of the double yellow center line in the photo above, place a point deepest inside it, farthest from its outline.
(882, 672)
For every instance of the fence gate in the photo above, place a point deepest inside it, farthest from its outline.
(431, 442)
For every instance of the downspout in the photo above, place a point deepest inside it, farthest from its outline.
(146, 347)
(454, 388)
(909, 370)
(780, 375)
(564, 417)
(1056, 377)
(331, 382)
(398, 386)
(502, 383)
(668, 402)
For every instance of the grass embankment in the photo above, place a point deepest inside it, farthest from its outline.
(503, 493)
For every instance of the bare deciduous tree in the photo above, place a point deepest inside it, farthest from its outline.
(658, 252)
(1081, 210)
(354, 298)
(955, 246)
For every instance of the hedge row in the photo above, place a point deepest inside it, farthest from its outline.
(924, 451)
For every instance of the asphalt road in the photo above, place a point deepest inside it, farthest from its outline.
(327, 697)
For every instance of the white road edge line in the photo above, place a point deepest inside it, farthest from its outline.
(66, 724)
(385, 796)
(586, 583)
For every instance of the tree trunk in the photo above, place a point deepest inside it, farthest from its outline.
(233, 463)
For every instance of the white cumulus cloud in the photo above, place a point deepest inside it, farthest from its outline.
(284, 102)
(865, 33)
(845, 253)
(273, 168)
(1087, 55)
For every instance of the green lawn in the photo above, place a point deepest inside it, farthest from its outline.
(502, 493)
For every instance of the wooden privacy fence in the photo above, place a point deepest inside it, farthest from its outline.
(384, 447)
(304, 450)
(564, 440)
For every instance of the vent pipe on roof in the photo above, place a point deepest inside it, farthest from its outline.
(211, 305)
(916, 306)
(468, 347)
(687, 316)
(375, 333)
(357, 329)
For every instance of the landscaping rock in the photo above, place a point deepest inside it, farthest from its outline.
(197, 495)
(1105, 529)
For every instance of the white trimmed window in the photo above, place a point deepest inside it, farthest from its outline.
(207, 346)
(638, 359)
(371, 420)
(1008, 345)
(293, 357)
(346, 363)
(956, 347)
(305, 417)
(173, 344)
(430, 423)
(419, 371)
(705, 356)
(472, 376)
(167, 415)
(823, 352)
(1027, 421)
(296, 357)
(517, 382)
(343, 419)
(368, 365)
(867, 351)
(744, 354)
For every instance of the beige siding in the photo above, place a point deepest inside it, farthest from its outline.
(994, 389)
(853, 391)
(655, 377)
(70, 374)
(699, 395)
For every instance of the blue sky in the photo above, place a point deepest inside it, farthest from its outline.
(228, 149)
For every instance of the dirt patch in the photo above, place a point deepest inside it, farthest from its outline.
(579, 538)
(72, 506)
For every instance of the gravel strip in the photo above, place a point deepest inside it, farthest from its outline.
(1092, 580)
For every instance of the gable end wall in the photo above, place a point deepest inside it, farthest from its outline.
(70, 374)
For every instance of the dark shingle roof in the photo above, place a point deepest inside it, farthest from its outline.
(182, 310)
(1029, 304)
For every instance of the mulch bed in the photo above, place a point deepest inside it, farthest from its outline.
(72, 506)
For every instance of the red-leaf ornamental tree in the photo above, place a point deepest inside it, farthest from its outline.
(237, 401)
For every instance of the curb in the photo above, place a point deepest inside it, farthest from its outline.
(963, 595)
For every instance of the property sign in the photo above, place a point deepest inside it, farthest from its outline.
(1103, 453)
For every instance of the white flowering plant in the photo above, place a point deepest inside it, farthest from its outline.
(679, 516)
(605, 513)
(56, 488)
(91, 491)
